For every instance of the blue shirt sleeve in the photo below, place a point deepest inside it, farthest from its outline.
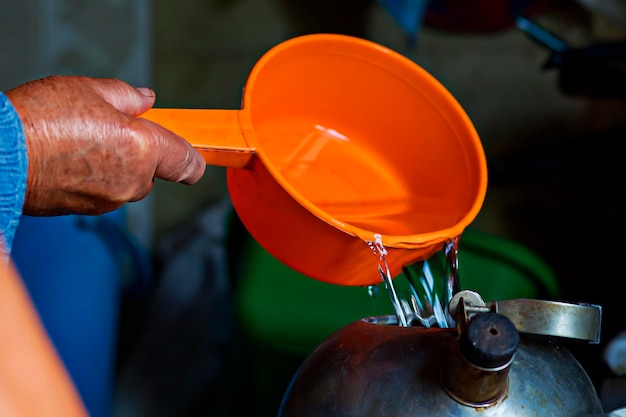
(13, 173)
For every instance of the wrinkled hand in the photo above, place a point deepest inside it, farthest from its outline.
(88, 153)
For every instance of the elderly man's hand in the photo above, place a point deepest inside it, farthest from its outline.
(88, 153)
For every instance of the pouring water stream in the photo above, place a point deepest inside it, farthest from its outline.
(425, 301)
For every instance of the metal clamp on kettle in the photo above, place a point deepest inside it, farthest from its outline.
(502, 359)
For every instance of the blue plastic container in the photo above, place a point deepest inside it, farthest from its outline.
(75, 268)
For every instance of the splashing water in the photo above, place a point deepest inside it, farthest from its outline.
(420, 296)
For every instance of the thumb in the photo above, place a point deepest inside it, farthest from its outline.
(125, 98)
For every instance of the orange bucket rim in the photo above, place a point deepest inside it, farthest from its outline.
(409, 241)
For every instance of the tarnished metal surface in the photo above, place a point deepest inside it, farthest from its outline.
(553, 318)
(377, 370)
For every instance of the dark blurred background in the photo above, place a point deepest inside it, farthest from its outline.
(551, 121)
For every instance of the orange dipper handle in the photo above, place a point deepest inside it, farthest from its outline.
(216, 134)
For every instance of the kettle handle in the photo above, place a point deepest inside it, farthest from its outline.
(551, 318)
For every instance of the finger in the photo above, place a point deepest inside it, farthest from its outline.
(124, 97)
(176, 159)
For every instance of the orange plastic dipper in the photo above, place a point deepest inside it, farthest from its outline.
(338, 140)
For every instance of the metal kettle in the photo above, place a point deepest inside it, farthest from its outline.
(502, 359)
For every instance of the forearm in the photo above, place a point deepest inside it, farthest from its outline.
(13, 173)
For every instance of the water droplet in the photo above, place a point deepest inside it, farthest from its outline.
(373, 290)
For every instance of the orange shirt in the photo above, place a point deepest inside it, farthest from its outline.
(33, 379)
